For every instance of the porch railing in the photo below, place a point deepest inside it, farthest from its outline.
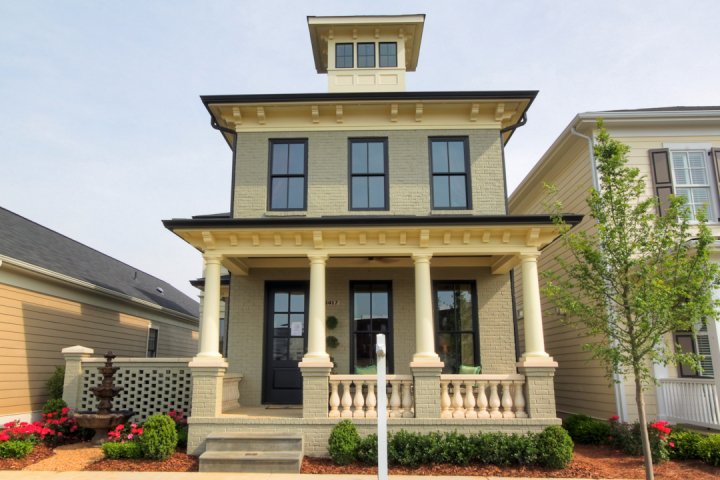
(231, 391)
(482, 396)
(355, 396)
(691, 400)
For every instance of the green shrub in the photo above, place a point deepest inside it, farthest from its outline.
(587, 430)
(182, 433)
(16, 448)
(54, 405)
(54, 385)
(159, 438)
(684, 444)
(492, 449)
(343, 442)
(708, 450)
(555, 447)
(412, 449)
(626, 437)
(367, 450)
(116, 450)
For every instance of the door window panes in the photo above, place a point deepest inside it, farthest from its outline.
(456, 327)
(371, 314)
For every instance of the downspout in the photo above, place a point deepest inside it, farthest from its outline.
(233, 148)
(618, 380)
(520, 123)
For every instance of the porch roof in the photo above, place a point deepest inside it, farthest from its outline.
(495, 241)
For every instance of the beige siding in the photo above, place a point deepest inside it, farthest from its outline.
(245, 352)
(580, 382)
(409, 171)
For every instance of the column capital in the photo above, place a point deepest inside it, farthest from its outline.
(529, 256)
(212, 257)
(421, 257)
(317, 257)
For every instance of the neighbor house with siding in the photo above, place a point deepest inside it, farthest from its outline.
(676, 151)
(56, 292)
(366, 210)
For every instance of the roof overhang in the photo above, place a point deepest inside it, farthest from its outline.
(497, 242)
(366, 111)
(410, 26)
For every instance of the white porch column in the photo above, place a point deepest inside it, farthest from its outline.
(424, 330)
(316, 321)
(210, 320)
(534, 339)
(713, 328)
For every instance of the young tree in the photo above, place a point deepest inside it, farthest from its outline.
(635, 277)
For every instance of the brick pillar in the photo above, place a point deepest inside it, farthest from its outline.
(315, 388)
(539, 388)
(427, 389)
(207, 386)
(72, 385)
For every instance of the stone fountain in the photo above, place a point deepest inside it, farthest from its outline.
(104, 419)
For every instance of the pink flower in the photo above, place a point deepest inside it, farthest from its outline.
(133, 425)
(130, 436)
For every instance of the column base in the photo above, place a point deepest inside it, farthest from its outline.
(208, 362)
(426, 376)
(539, 386)
(537, 362)
(315, 388)
(431, 358)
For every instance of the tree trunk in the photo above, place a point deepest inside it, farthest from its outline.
(647, 453)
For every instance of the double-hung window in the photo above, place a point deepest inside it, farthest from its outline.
(343, 55)
(699, 344)
(152, 344)
(368, 174)
(449, 165)
(456, 325)
(288, 174)
(366, 55)
(371, 309)
(692, 181)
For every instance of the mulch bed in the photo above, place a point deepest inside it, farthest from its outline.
(588, 462)
(40, 452)
(178, 462)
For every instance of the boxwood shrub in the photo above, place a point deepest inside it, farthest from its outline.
(159, 438)
(343, 443)
(117, 450)
(708, 449)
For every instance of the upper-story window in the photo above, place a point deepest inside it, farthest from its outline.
(343, 55)
(366, 55)
(388, 54)
(288, 174)
(368, 174)
(449, 165)
(692, 181)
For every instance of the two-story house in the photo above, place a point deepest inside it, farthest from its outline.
(365, 210)
(676, 150)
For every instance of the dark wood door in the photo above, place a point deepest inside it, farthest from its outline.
(285, 342)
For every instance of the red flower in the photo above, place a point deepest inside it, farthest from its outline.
(614, 418)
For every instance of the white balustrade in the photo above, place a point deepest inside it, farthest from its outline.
(482, 396)
(691, 400)
(357, 395)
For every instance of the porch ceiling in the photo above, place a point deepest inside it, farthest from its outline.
(246, 244)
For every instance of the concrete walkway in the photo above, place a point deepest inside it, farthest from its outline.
(34, 475)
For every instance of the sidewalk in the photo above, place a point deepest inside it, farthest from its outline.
(30, 475)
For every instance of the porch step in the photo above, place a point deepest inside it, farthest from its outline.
(252, 452)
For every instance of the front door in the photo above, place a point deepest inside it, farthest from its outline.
(285, 340)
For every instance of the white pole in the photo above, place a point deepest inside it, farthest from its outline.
(382, 409)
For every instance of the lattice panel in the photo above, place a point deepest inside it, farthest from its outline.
(147, 390)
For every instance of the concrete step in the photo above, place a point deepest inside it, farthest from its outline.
(251, 462)
(254, 442)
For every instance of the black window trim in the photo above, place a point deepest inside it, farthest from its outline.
(352, 52)
(386, 190)
(475, 316)
(375, 54)
(270, 175)
(380, 65)
(390, 363)
(468, 184)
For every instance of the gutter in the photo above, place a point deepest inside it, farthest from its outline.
(11, 262)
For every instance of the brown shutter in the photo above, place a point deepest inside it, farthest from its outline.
(662, 178)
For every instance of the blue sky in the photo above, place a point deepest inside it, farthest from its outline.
(102, 133)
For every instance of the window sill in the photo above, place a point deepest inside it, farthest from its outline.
(452, 211)
(286, 214)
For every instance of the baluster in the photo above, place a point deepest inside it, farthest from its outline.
(507, 402)
(346, 399)
(482, 401)
(458, 409)
(359, 400)
(371, 401)
(494, 400)
(395, 402)
(407, 401)
(519, 400)
(470, 400)
(445, 402)
(334, 399)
